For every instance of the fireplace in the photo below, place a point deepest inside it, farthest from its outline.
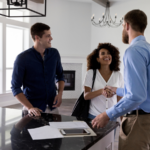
(75, 67)
(69, 77)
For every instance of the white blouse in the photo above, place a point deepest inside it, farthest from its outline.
(99, 104)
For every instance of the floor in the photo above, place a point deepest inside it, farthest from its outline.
(65, 109)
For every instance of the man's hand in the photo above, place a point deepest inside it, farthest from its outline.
(110, 88)
(100, 121)
(58, 100)
(34, 111)
(109, 93)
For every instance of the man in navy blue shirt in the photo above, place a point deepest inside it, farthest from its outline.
(37, 69)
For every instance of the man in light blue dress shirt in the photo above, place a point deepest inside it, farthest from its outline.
(135, 104)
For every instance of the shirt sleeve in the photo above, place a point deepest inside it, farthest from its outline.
(88, 78)
(59, 70)
(120, 90)
(121, 81)
(135, 84)
(18, 75)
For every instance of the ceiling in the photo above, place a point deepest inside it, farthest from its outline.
(89, 1)
(100, 2)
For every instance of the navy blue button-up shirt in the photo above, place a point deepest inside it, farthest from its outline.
(37, 76)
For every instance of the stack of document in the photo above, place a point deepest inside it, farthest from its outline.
(52, 131)
(69, 125)
(45, 132)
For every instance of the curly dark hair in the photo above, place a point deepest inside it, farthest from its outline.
(114, 52)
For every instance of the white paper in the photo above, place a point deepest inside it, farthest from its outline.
(69, 125)
(45, 132)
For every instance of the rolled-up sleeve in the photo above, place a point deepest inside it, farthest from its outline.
(120, 92)
(59, 70)
(18, 75)
(120, 89)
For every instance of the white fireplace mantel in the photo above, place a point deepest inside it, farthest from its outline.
(78, 64)
(73, 59)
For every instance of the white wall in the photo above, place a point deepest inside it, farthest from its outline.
(70, 26)
(114, 35)
(71, 31)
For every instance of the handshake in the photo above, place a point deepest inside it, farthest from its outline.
(109, 91)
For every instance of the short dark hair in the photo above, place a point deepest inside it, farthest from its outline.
(137, 19)
(92, 62)
(38, 29)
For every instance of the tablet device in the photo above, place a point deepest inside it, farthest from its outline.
(74, 132)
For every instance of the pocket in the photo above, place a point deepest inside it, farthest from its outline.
(127, 125)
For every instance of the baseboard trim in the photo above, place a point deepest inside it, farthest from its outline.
(8, 99)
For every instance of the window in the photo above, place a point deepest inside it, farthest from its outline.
(19, 13)
(14, 39)
(15, 13)
(1, 58)
(7, 121)
(14, 45)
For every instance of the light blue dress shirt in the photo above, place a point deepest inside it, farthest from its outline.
(136, 92)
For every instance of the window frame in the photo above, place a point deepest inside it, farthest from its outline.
(4, 22)
(11, 68)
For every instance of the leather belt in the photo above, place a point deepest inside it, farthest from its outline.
(140, 112)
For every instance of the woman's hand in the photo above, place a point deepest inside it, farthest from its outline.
(110, 88)
(107, 93)
(104, 92)
(88, 94)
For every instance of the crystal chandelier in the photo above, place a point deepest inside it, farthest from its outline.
(106, 19)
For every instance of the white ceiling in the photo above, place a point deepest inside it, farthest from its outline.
(89, 1)
(100, 2)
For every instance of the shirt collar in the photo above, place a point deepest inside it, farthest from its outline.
(46, 50)
(138, 38)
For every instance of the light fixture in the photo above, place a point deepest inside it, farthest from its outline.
(23, 6)
(106, 19)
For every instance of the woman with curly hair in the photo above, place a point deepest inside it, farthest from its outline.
(105, 60)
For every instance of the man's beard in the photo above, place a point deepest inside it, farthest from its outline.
(125, 37)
